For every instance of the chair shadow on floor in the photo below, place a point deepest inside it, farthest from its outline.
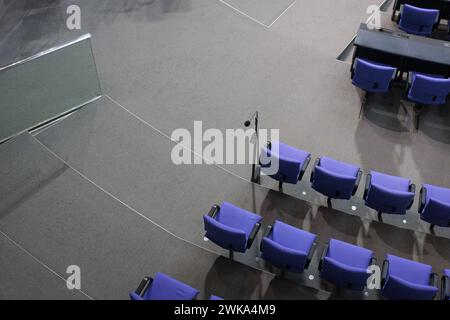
(389, 110)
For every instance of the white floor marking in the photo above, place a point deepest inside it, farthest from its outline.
(133, 209)
(41, 263)
(285, 10)
(256, 20)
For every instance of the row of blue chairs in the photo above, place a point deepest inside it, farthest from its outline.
(422, 89)
(342, 264)
(418, 21)
(164, 287)
(339, 180)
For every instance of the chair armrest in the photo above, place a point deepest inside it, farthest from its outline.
(384, 272)
(324, 254)
(304, 166)
(412, 189)
(253, 234)
(266, 235)
(423, 199)
(367, 186)
(316, 163)
(143, 286)
(310, 254)
(358, 179)
(214, 210)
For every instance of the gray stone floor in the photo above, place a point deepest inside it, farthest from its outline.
(173, 62)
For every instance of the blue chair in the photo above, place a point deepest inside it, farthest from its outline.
(434, 206)
(404, 279)
(215, 298)
(388, 194)
(371, 77)
(419, 21)
(426, 89)
(163, 287)
(292, 162)
(445, 286)
(345, 265)
(287, 247)
(231, 227)
(335, 179)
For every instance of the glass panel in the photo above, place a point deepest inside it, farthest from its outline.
(45, 86)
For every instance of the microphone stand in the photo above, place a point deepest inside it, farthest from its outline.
(255, 169)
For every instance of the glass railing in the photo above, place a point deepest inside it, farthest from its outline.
(48, 85)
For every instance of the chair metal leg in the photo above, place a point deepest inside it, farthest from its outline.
(363, 105)
(280, 185)
(329, 203)
(417, 112)
(432, 227)
(231, 254)
(380, 216)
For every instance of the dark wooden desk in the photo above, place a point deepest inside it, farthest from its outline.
(442, 5)
(404, 51)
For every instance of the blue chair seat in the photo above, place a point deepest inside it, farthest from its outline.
(388, 194)
(335, 179)
(287, 247)
(407, 280)
(163, 287)
(290, 162)
(231, 227)
(419, 21)
(447, 273)
(435, 205)
(345, 265)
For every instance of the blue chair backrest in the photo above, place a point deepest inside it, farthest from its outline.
(282, 257)
(372, 77)
(436, 212)
(418, 20)
(224, 236)
(429, 90)
(332, 184)
(288, 170)
(344, 276)
(399, 289)
(387, 200)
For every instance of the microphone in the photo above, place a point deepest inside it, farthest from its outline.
(249, 121)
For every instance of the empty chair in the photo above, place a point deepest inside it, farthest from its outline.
(287, 164)
(404, 279)
(163, 287)
(231, 227)
(419, 21)
(388, 194)
(287, 247)
(335, 179)
(445, 286)
(425, 89)
(434, 206)
(345, 265)
(371, 77)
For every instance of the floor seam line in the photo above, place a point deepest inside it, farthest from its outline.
(43, 264)
(137, 212)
